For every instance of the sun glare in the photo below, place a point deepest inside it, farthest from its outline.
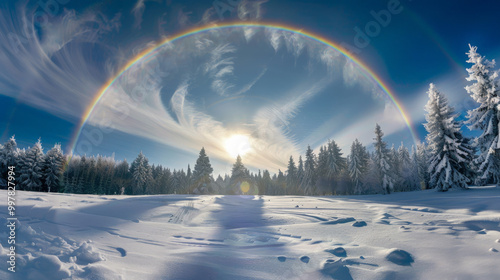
(237, 144)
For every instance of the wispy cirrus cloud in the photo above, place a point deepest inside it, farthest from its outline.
(47, 65)
(138, 11)
(220, 66)
(271, 122)
(249, 86)
(250, 10)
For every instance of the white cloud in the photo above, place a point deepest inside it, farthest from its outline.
(249, 32)
(48, 68)
(219, 67)
(249, 86)
(138, 11)
(294, 42)
(274, 37)
(331, 58)
(224, 71)
(250, 10)
(271, 121)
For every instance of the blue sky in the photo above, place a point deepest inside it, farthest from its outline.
(278, 90)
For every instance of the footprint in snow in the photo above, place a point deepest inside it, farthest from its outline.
(400, 257)
(282, 258)
(336, 269)
(339, 252)
(359, 224)
(304, 259)
(122, 251)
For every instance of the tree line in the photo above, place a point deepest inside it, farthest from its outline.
(446, 160)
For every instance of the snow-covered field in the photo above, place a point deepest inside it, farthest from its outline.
(416, 235)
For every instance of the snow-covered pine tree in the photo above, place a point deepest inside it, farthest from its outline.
(336, 165)
(121, 178)
(422, 158)
(371, 179)
(300, 175)
(53, 168)
(165, 181)
(100, 177)
(309, 179)
(415, 167)
(91, 186)
(280, 183)
(8, 157)
(202, 172)
(141, 174)
(175, 182)
(106, 168)
(265, 184)
(81, 174)
(450, 154)
(181, 174)
(31, 172)
(239, 174)
(20, 161)
(323, 181)
(189, 176)
(357, 165)
(291, 177)
(395, 169)
(486, 117)
(68, 178)
(107, 178)
(381, 159)
(408, 169)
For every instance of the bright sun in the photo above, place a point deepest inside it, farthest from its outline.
(237, 144)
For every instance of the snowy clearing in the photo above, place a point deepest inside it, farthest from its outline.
(414, 235)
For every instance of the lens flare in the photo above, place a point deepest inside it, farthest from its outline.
(245, 187)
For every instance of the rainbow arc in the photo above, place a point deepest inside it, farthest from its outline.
(147, 53)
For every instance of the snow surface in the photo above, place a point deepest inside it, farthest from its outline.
(414, 235)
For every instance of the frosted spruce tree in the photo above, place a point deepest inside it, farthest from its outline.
(408, 170)
(381, 160)
(486, 117)
(31, 171)
(239, 174)
(175, 182)
(300, 174)
(309, 179)
(189, 176)
(53, 168)
(422, 159)
(291, 177)
(419, 185)
(395, 169)
(323, 181)
(239, 171)
(357, 165)
(8, 157)
(450, 153)
(336, 164)
(202, 173)
(142, 175)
